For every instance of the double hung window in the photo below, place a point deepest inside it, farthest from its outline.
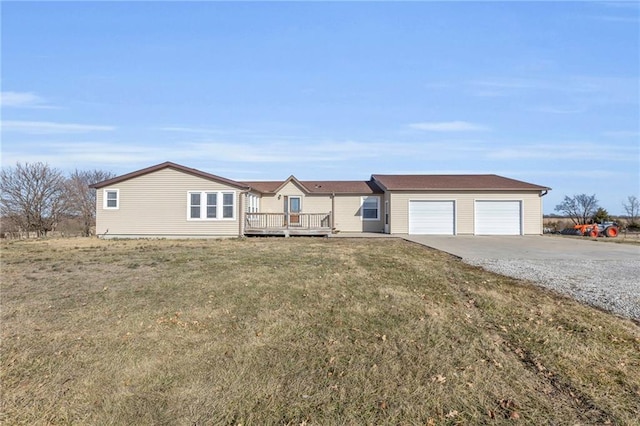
(111, 199)
(371, 208)
(212, 205)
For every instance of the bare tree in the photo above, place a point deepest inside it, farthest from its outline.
(632, 207)
(32, 196)
(80, 200)
(580, 208)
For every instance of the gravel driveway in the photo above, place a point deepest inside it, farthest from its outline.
(606, 275)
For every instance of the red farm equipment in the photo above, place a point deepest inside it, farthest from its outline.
(604, 229)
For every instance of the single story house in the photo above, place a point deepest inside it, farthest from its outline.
(174, 201)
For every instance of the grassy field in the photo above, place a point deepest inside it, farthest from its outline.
(298, 331)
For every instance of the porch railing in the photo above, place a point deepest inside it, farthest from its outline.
(299, 221)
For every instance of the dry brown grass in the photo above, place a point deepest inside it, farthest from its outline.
(298, 331)
(625, 237)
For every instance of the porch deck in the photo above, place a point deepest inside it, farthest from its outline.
(288, 224)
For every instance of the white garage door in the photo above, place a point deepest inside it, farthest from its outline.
(498, 218)
(431, 217)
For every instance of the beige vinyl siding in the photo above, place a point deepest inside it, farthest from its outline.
(155, 204)
(465, 208)
(271, 203)
(316, 204)
(310, 203)
(348, 215)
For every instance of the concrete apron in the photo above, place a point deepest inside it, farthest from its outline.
(528, 247)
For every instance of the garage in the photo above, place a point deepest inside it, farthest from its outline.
(431, 217)
(498, 217)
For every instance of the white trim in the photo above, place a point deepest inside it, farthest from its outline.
(387, 217)
(105, 198)
(362, 199)
(219, 206)
(252, 204)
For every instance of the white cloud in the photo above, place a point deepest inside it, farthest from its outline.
(23, 100)
(47, 127)
(448, 126)
(280, 154)
(627, 19)
(571, 151)
(84, 154)
(622, 134)
(289, 151)
(558, 110)
(499, 84)
(579, 88)
(321, 151)
(587, 174)
(187, 129)
(252, 153)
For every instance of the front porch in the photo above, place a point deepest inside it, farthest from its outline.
(288, 224)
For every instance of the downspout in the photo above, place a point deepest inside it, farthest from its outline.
(333, 211)
(241, 212)
(542, 194)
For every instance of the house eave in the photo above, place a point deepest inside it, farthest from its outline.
(464, 189)
(168, 165)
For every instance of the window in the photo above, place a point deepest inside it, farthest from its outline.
(371, 208)
(111, 197)
(227, 205)
(212, 205)
(194, 202)
(203, 205)
(295, 205)
(253, 203)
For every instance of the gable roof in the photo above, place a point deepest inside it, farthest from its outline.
(168, 165)
(293, 180)
(452, 182)
(377, 185)
(319, 186)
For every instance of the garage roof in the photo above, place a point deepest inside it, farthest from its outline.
(452, 182)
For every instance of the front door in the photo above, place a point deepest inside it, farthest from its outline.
(292, 210)
(295, 208)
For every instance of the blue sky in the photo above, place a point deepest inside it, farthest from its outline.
(545, 92)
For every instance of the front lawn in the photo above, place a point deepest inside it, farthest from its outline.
(297, 331)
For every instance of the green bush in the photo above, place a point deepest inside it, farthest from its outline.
(601, 215)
